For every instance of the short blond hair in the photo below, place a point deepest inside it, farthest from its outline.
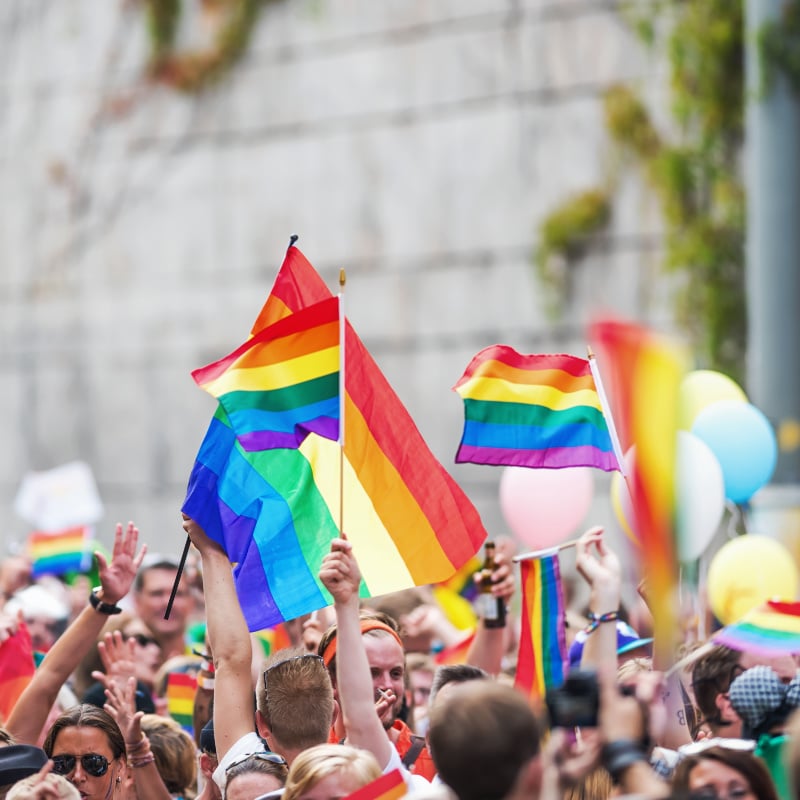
(174, 751)
(26, 789)
(316, 763)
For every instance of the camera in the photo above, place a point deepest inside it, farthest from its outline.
(576, 703)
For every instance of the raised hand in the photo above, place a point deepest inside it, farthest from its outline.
(339, 572)
(118, 657)
(200, 539)
(121, 704)
(117, 577)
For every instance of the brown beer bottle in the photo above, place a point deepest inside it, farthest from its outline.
(491, 609)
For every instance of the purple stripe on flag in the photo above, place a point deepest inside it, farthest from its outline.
(552, 458)
(256, 441)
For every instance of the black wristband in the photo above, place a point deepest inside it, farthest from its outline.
(101, 607)
(619, 755)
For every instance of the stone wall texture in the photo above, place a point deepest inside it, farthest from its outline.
(416, 144)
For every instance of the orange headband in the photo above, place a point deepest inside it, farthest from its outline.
(366, 625)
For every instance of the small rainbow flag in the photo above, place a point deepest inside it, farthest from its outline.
(532, 411)
(771, 629)
(456, 653)
(60, 552)
(282, 383)
(388, 787)
(542, 659)
(181, 689)
(16, 669)
(276, 511)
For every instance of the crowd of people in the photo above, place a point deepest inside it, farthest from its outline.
(359, 693)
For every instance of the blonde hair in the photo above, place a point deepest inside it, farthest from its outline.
(174, 752)
(322, 760)
(27, 788)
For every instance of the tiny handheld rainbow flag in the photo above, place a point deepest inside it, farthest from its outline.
(388, 787)
(181, 689)
(283, 383)
(532, 411)
(542, 659)
(771, 629)
(60, 552)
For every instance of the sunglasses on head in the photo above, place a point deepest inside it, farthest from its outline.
(272, 758)
(92, 763)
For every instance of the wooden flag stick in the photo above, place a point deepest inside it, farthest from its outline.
(545, 551)
(177, 578)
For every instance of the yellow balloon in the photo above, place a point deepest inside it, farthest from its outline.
(701, 388)
(747, 571)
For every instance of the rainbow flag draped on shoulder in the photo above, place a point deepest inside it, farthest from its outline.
(276, 510)
(532, 411)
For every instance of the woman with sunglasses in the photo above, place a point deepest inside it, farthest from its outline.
(87, 748)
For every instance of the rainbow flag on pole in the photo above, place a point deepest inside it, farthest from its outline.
(532, 411)
(283, 383)
(276, 511)
(542, 659)
(387, 787)
(60, 552)
(771, 629)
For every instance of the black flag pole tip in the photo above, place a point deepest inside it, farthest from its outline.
(177, 578)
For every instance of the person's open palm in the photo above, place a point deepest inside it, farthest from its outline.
(117, 577)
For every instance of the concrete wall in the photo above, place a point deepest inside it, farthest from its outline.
(415, 144)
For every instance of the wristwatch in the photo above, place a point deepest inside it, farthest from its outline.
(101, 607)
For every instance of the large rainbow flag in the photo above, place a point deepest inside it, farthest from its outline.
(16, 669)
(770, 629)
(532, 411)
(283, 382)
(276, 511)
(646, 371)
(59, 552)
(542, 658)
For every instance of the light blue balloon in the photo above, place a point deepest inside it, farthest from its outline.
(744, 443)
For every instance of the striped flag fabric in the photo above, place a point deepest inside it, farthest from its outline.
(59, 552)
(388, 787)
(276, 511)
(16, 668)
(181, 689)
(542, 659)
(769, 630)
(283, 382)
(456, 653)
(646, 371)
(532, 411)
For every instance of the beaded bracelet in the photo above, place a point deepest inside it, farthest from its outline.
(143, 761)
(595, 620)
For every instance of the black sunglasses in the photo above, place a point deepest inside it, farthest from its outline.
(93, 764)
(142, 639)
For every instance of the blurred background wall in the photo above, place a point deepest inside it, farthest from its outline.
(418, 145)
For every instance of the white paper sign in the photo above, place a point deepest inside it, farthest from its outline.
(58, 498)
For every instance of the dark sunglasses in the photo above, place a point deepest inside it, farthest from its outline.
(92, 764)
(142, 640)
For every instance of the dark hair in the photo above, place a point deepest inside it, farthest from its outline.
(750, 767)
(87, 716)
(712, 675)
(455, 673)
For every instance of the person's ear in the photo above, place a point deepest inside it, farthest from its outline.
(336, 713)
(207, 765)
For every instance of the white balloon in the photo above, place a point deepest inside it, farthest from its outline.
(700, 494)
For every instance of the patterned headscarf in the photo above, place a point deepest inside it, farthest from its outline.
(762, 700)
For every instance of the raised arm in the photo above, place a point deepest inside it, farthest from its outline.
(230, 643)
(341, 576)
(31, 710)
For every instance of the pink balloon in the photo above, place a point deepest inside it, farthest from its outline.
(544, 506)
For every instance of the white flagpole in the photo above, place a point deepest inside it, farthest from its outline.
(612, 430)
(342, 330)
